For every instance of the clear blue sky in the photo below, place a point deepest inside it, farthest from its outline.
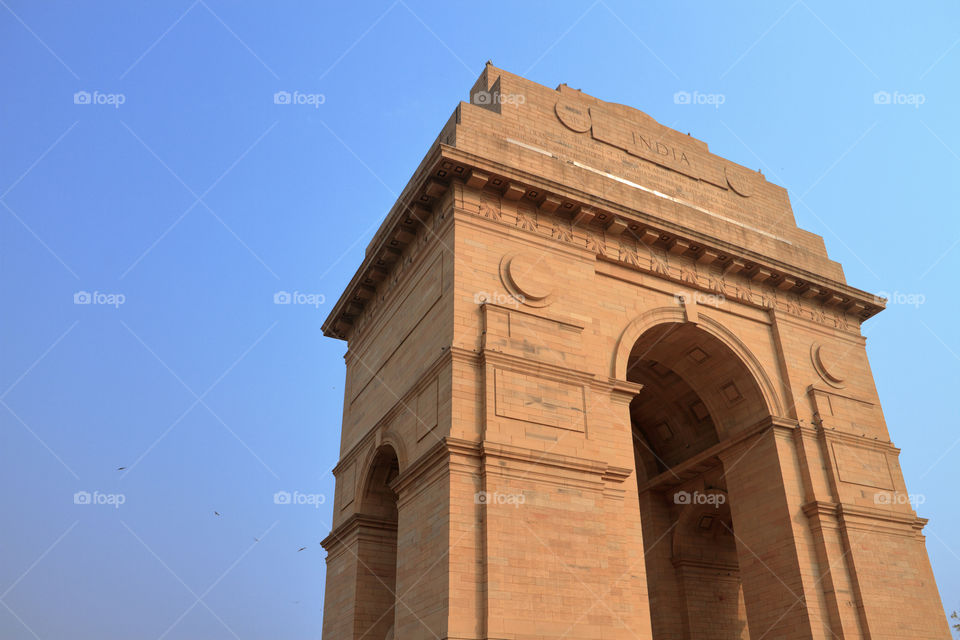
(198, 198)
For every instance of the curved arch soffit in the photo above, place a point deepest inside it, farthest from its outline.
(392, 438)
(364, 478)
(675, 315)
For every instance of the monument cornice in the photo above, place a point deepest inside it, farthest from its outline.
(598, 214)
(410, 212)
(445, 164)
(595, 473)
(355, 527)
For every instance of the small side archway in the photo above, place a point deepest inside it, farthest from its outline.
(377, 547)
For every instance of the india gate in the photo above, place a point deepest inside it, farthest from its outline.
(599, 385)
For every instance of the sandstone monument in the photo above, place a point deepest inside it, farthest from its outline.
(599, 385)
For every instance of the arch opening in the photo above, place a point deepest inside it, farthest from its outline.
(377, 549)
(697, 394)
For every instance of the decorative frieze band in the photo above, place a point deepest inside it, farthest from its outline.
(416, 219)
(619, 241)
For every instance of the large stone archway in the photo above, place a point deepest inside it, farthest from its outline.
(699, 402)
(625, 395)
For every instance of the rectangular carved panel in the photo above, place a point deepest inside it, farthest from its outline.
(859, 465)
(522, 333)
(847, 414)
(541, 401)
(347, 482)
(403, 319)
(427, 409)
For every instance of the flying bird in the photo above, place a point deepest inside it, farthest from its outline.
(120, 468)
(300, 549)
(216, 513)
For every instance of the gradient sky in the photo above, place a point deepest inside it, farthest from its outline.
(197, 199)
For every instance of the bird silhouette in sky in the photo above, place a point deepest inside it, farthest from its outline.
(120, 468)
(300, 549)
(216, 513)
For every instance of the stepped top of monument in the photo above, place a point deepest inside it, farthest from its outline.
(606, 147)
(615, 170)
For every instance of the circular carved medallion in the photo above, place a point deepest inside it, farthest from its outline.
(528, 277)
(738, 181)
(574, 115)
(827, 364)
